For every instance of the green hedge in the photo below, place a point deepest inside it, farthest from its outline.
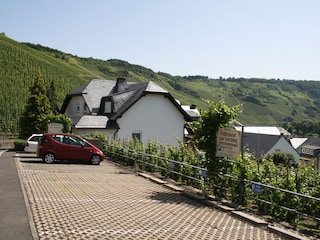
(19, 144)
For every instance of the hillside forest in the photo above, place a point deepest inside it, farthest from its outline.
(281, 102)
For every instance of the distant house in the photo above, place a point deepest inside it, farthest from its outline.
(297, 142)
(192, 111)
(310, 152)
(260, 141)
(125, 110)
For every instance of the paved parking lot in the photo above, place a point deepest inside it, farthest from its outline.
(79, 201)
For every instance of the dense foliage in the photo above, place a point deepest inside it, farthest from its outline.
(40, 111)
(36, 111)
(217, 116)
(303, 128)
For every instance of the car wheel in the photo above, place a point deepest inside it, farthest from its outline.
(95, 160)
(49, 158)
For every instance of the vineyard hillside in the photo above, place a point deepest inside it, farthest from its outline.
(265, 101)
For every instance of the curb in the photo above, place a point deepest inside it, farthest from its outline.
(286, 233)
(151, 178)
(250, 218)
(219, 206)
(2, 151)
(26, 201)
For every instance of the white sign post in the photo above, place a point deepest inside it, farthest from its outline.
(55, 128)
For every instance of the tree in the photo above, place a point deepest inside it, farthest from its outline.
(205, 130)
(53, 99)
(284, 158)
(33, 119)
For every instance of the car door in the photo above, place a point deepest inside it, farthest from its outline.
(33, 143)
(79, 149)
(62, 147)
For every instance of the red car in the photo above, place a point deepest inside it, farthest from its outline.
(61, 146)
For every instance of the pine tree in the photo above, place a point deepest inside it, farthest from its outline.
(53, 99)
(34, 118)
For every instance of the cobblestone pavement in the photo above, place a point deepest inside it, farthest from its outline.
(79, 201)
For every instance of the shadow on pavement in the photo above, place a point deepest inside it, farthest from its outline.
(32, 161)
(175, 198)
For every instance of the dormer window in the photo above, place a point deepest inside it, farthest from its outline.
(107, 107)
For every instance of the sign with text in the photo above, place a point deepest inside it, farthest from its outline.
(55, 128)
(256, 188)
(228, 143)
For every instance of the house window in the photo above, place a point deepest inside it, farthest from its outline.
(107, 107)
(136, 135)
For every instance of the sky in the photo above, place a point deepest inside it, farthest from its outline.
(272, 39)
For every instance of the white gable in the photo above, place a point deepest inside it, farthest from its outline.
(296, 142)
(154, 117)
(285, 146)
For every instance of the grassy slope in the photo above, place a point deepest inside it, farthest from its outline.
(19, 65)
(266, 102)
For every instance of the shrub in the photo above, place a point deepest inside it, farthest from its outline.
(19, 144)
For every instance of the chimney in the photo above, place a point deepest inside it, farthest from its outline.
(121, 85)
(193, 106)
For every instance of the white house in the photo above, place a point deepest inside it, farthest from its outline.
(126, 110)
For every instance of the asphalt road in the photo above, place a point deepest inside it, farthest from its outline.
(14, 221)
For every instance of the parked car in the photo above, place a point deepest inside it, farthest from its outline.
(31, 145)
(61, 146)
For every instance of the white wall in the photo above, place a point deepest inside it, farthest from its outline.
(72, 110)
(284, 146)
(156, 117)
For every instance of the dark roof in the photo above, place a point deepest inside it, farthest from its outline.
(259, 144)
(92, 93)
(124, 95)
(314, 141)
(121, 93)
